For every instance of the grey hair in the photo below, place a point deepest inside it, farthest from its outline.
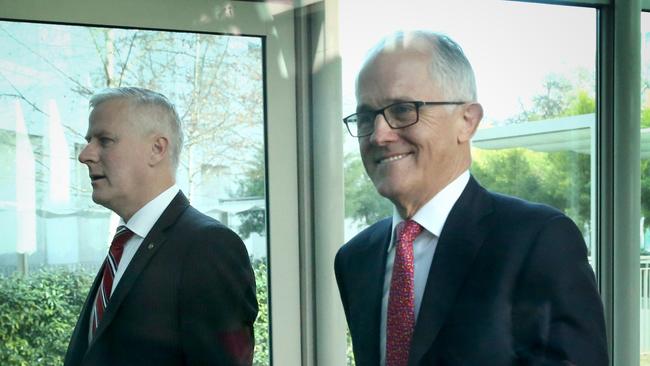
(148, 98)
(450, 68)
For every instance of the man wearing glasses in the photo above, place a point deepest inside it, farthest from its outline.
(458, 275)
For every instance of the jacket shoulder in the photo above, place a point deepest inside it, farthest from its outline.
(199, 230)
(197, 220)
(506, 206)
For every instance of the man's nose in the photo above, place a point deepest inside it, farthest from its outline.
(382, 133)
(86, 155)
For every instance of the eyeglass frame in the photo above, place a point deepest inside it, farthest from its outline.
(381, 111)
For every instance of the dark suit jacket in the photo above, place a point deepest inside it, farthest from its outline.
(509, 285)
(186, 298)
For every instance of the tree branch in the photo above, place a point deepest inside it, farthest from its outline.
(46, 60)
(128, 55)
(20, 95)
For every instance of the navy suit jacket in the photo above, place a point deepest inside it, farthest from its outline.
(186, 298)
(509, 284)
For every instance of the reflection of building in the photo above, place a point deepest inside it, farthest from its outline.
(41, 220)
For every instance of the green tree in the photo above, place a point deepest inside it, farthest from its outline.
(553, 102)
(510, 171)
(362, 202)
(560, 97)
(560, 179)
(252, 185)
(581, 103)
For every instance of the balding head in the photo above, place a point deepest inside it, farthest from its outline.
(450, 69)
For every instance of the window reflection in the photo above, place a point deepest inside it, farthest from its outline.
(538, 90)
(54, 237)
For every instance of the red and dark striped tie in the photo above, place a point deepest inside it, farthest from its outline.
(122, 235)
(401, 299)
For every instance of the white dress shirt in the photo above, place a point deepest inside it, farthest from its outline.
(431, 217)
(140, 223)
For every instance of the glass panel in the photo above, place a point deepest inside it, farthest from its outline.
(537, 90)
(644, 225)
(536, 140)
(54, 236)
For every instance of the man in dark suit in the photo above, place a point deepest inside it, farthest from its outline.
(177, 287)
(458, 275)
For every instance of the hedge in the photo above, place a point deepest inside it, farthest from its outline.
(38, 313)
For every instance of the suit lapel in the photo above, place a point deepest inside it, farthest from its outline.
(371, 272)
(148, 248)
(460, 239)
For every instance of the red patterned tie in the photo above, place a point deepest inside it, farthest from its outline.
(122, 235)
(401, 300)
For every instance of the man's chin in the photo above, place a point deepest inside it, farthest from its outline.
(388, 190)
(98, 199)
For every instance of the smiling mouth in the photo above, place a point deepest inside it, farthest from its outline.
(94, 178)
(392, 158)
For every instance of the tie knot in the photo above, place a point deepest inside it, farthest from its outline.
(408, 230)
(122, 235)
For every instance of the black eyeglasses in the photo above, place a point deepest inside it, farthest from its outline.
(397, 115)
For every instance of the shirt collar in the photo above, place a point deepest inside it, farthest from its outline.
(144, 219)
(433, 214)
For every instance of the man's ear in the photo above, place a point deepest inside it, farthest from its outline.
(472, 115)
(159, 149)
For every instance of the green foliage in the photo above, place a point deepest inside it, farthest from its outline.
(582, 103)
(362, 202)
(560, 98)
(350, 351)
(645, 191)
(560, 179)
(252, 185)
(262, 344)
(645, 118)
(253, 221)
(38, 313)
(553, 102)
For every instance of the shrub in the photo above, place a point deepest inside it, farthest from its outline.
(38, 314)
(262, 345)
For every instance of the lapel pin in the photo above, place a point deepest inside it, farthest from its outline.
(150, 246)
